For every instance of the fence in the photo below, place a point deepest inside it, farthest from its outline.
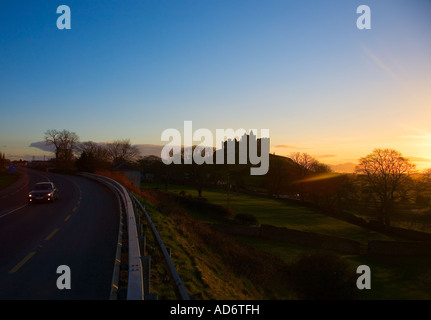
(295, 236)
(179, 288)
(321, 241)
(399, 248)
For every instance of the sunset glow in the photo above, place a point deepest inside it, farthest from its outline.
(304, 71)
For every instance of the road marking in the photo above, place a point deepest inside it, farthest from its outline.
(67, 218)
(22, 262)
(74, 209)
(12, 211)
(52, 234)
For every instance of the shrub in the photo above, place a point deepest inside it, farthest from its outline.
(246, 219)
(322, 276)
(203, 205)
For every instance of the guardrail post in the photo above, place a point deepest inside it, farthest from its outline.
(173, 274)
(143, 244)
(146, 265)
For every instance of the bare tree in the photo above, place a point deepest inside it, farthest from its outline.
(122, 151)
(386, 170)
(305, 160)
(308, 164)
(93, 156)
(65, 144)
(97, 150)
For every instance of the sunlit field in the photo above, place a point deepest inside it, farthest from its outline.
(282, 213)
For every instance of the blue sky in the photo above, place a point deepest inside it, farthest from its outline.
(302, 69)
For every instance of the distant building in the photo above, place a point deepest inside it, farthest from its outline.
(40, 164)
(232, 147)
(19, 163)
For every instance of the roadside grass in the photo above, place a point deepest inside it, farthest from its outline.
(7, 178)
(212, 265)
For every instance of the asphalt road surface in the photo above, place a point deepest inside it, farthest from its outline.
(79, 231)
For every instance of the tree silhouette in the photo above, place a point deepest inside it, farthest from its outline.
(65, 144)
(120, 151)
(386, 170)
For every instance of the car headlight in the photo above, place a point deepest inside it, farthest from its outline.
(29, 195)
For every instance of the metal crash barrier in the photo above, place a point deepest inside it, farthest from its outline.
(138, 263)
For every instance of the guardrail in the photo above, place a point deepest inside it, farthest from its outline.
(179, 288)
(136, 286)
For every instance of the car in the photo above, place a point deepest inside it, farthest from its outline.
(43, 192)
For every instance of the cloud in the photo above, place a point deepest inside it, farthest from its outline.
(348, 167)
(150, 149)
(419, 159)
(42, 146)
(417, 137)
(325, 156)
(144, 149)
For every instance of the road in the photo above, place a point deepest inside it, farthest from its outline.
(80, 230)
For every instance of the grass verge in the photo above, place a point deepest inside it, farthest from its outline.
(6, 178)
(213, 265)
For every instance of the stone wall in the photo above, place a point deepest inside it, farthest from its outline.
(321, 241)
(378, 247)
(294, 236)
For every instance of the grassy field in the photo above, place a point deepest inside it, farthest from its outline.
(392, 277)
(408, 216)
(282, 213)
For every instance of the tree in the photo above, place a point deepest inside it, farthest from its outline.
(386, 170)
(307, 168)
(122, 151)
(93, 156)
(65, 144)
(2, 160)
(308, 164)
(305, 161)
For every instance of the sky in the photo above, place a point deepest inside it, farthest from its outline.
(301, 69)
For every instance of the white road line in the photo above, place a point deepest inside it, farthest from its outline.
(12, 211)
